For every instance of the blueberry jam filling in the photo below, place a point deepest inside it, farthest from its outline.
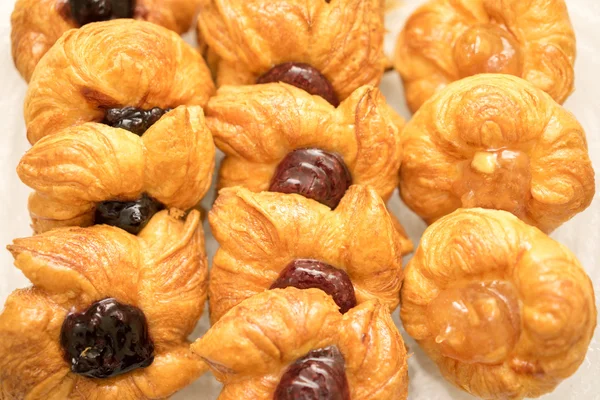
(303, 76)
(134, 119)
(306, 274)
(106, 340)
(320, 375)
(87, 11)
(131, 216)
(313, 173)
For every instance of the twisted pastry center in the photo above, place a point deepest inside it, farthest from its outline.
(307, 273)
(488, 48)
(313, 173)
(496, 179)
(106, 340)
(476, 323)
(303, 76)
(320, 375)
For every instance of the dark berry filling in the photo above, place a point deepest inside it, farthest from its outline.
(134, 119)
(313, 173)
(306, 274)
(131, 216)
(303, 76)
(320, 375)
(86, 11)
(108, 339)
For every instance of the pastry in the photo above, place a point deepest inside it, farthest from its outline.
(503, 310)
(328, 48)
(273, 240)
(446, 40)
(111, 72)
(496, 141)
(38, 24)
(109, 313)
(288, 344)
(96, 173)
(279, 138)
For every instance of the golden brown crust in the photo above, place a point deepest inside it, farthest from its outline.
(252, 345)
(257, 126)
(483, 114)
(163, 271)
(113, 64)
(82, 165)
(544, 44)
(359, 237)
(38, 24)
(556, 300)
(343, 39)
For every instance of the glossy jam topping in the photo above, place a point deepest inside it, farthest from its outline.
(488, 49)
(108, 339)
(320, 375)
(303, 76)
(131, 216)
(133, 119)
(86, 11)
(477, 322)
(306, 274)
(313, 173)
(496, 179)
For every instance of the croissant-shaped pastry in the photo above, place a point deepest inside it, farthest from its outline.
(326, 48)
(270, 240)
(88, 173)
(504, 311)
(109, 313)
(446, 40)
(279, 138)
(496, 141)
(288, 344)
(124, 73)
(38, 24)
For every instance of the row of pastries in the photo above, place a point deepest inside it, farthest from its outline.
(124, 119)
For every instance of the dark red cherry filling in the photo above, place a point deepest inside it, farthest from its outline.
(303, 76)
(313, 173)
(86, 11)
(320, 375)
(131, 216)
(134, 119)
(106, 340)
(306, 274)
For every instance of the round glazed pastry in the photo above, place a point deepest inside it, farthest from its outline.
(288, 344)
(444, 41)
(109, 313)
(279, 138)
(496, 141)
(104, 173)
(328, 48)
(114, 72)
(354, 253)
(504, 311)
(38, 24)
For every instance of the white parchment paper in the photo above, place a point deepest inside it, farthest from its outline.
(581, 234)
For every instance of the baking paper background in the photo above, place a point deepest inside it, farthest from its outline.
(581, 234)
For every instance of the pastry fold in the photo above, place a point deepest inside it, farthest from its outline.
(114, 64)
(446, 40)
(343, 39)
(553, 311)
(38, 24)
(162, 271)
(261, 233)
(250, 348)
